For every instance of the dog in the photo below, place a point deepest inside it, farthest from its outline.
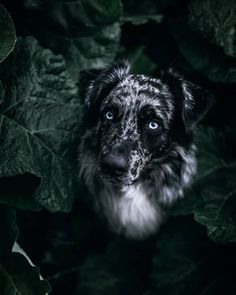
(137, 150)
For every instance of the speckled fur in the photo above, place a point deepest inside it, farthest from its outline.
(160, 166)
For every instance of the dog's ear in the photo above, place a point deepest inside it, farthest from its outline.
(191, 100)
(104, 82)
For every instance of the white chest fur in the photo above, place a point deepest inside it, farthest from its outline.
(131, 211)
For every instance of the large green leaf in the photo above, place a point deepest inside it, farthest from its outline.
(1, 92)
(141, 19)
(95, 278)
(123, 267)
(202, 56)
(39, 122)
(87, 33)
(215, 20)
(212, 201)
(17, 191)
(76, 18)
(186, 262)
(17, 275)
(211, 198)
(8, 34)
(140, 12)
(8, 230)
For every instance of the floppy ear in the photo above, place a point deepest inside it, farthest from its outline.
(191, 100)
(102, 85)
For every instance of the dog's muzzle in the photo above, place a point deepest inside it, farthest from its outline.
(114, 164)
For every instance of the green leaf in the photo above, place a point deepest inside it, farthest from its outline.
(141, 19)
(140, 12)
(187, 262)
(8, 230)
(39, 123)
(17, 191)
(122, 267)
(213, 152)
(87, 33)
(201, 56)
(8, 34)
(211, 198)
(17, 276)
(139, 7)
(216, 21)
(76, 17)
(1, 92)
(95, 278)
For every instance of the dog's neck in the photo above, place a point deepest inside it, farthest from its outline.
(130, 210)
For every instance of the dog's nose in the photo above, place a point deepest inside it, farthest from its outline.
(114, 164)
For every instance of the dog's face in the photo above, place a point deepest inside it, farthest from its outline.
(138, 119)
(134, 120)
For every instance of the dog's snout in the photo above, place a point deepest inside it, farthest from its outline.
(114, 164)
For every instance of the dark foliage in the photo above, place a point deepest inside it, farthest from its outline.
(41, 97)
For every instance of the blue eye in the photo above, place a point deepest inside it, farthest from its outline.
(109, 115)
(153, 125)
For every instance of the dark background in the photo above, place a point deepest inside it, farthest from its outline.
(194, 252)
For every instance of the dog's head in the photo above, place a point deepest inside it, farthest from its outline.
(138, 119)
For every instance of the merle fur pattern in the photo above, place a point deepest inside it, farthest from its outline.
(161, 162)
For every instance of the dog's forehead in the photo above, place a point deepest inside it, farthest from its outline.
(139, 90)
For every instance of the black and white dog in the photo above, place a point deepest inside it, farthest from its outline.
(137, 152)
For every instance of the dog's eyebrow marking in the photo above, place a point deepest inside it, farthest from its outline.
(123, 93)
(152, 84)
(149, 82)
(161, 115)
(150, 111)
(111, 104)
(162, 108)
(140, 84)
